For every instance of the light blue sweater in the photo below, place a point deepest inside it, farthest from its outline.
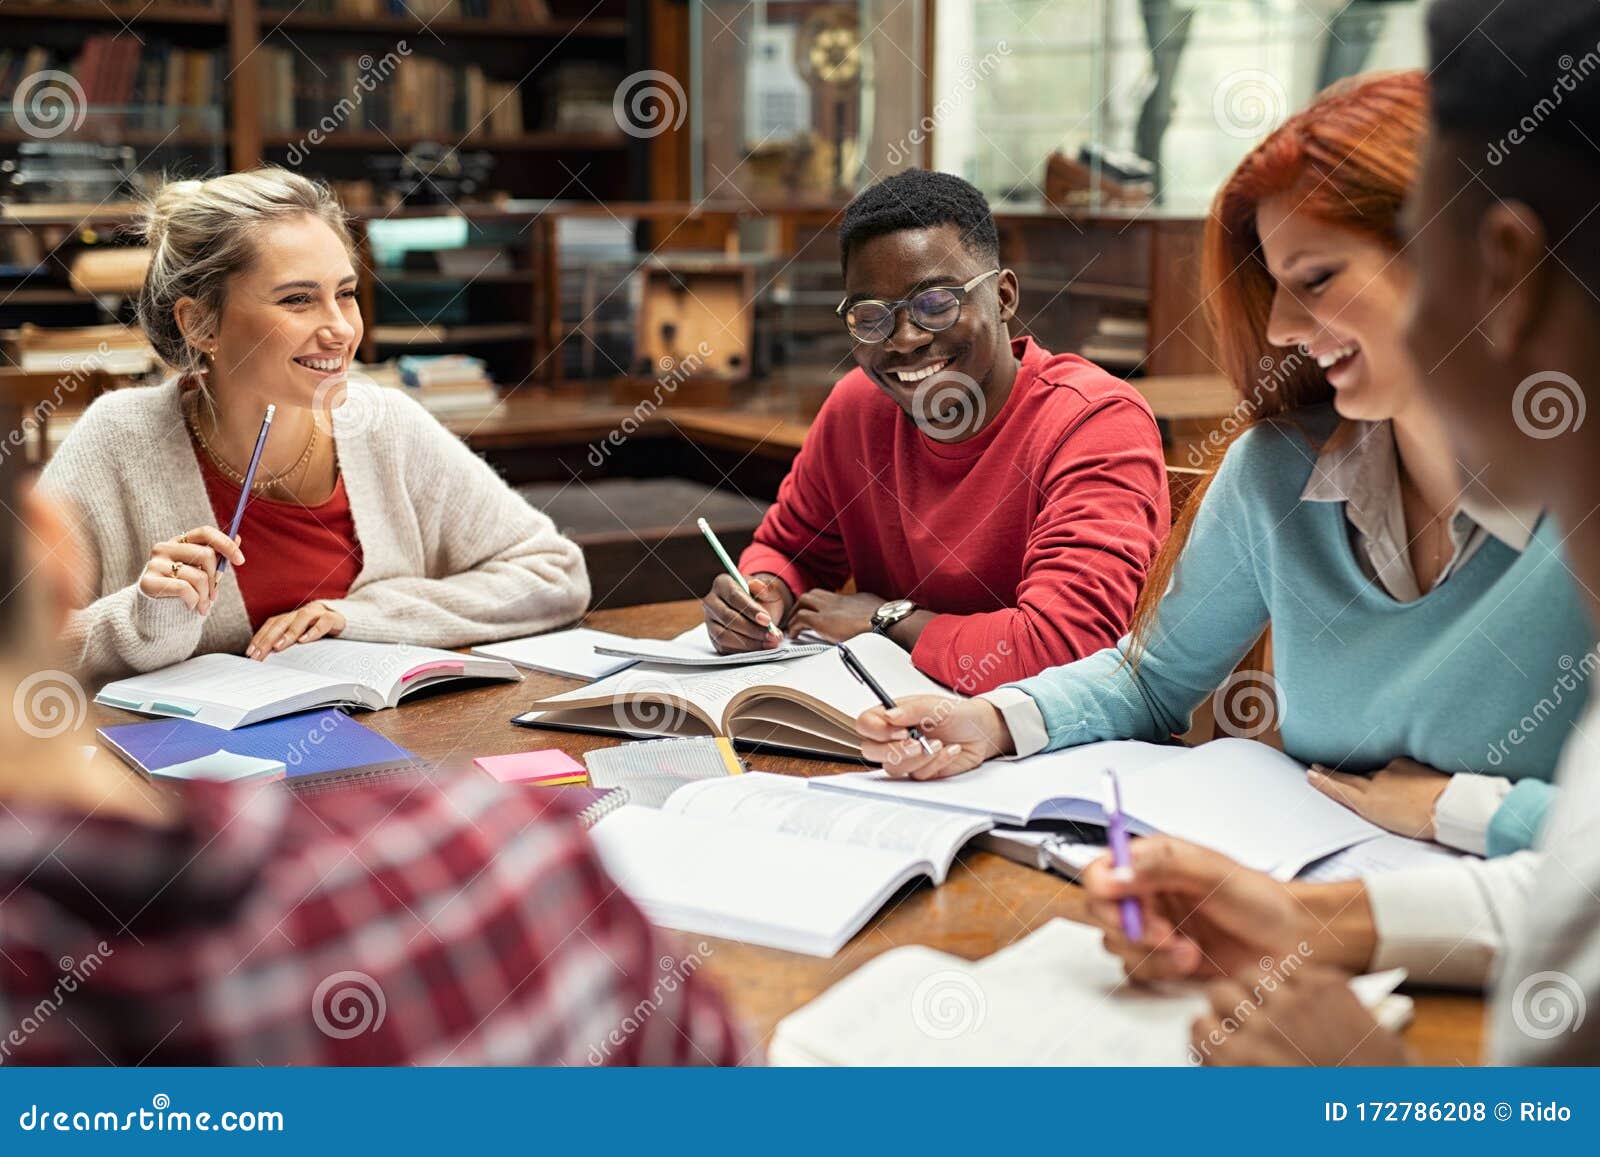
(1484, 673)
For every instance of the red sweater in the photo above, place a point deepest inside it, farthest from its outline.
(293, 554)
(1029, 541)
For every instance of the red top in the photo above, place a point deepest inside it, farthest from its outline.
(1030, 540)
(293, 554)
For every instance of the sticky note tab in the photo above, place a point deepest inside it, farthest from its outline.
(547, 767)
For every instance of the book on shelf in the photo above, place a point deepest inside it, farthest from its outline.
(112, 349)
(426, 11)
(415, 96)
(146, 80)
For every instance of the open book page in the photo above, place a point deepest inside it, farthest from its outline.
(571, 652)
(1387, 853)
(1013, 790)
(1056, 997)
(720, 879)
(1247, 800)
(693, 648)
(648, 699)
(1242, 798)
(236, 685)
(824, 683)
(389, 669)
(781, 803)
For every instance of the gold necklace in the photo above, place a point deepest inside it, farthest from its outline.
(191, 416)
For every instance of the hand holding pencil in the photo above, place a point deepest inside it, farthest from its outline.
(742, 614)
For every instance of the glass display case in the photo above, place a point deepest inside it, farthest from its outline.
(803, 100)
(1139, 102)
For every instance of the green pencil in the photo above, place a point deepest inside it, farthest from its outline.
(727, 565)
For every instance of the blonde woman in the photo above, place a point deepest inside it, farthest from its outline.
(367, 519)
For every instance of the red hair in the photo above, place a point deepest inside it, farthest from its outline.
(1348, 159)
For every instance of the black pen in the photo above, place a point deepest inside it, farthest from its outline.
(861, 673)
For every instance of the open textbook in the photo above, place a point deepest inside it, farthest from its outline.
(807, 704)
(230, 691)
(1056, 997)
(1243, 798)
(760, 858)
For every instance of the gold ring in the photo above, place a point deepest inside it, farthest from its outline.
(176, 567)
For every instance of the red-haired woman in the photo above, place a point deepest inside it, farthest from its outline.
(1414, 641)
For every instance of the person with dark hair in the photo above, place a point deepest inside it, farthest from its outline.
(1504, 317)
(456, 921)
(996, 505)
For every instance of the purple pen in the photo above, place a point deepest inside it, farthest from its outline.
(249, 481)
(1117, 836)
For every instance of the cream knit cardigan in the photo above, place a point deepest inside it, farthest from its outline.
(450, 555)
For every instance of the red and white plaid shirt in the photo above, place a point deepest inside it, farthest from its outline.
(462, 923)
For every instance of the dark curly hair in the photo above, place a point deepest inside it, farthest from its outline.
(920, 199)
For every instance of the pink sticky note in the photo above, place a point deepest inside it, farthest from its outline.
(525, 766)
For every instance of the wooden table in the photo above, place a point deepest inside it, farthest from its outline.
(986, 903)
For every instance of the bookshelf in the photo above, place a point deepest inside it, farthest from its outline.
(281, 68)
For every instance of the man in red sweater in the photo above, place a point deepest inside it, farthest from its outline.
(996, 504)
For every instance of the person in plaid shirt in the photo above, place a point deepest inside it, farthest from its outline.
(459, 923)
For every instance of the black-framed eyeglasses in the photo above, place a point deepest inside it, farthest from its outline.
(934, 309)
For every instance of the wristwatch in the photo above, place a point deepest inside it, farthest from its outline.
(891, 613)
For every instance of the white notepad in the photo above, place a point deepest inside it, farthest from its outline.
(1056, 997)
(571, 653)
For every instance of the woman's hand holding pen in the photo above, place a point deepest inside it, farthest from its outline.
(739, 621)
(962, 732)
(186, 567)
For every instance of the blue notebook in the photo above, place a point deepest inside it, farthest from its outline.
(314, 747)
